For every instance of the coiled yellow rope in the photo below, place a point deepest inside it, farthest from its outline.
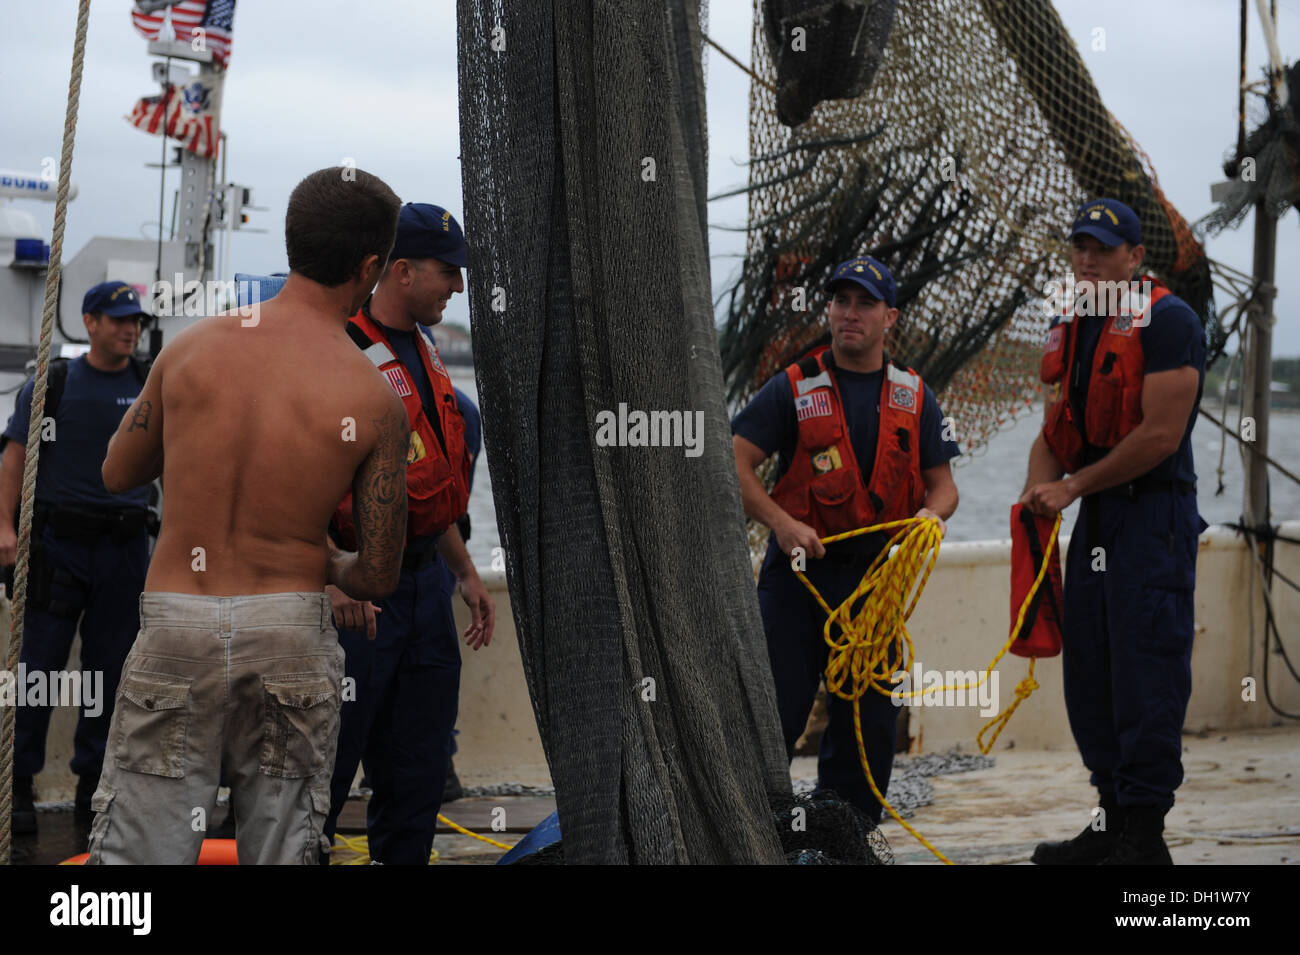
(868, 650)
(873, 642)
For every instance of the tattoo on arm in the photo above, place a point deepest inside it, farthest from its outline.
(379, 499)
(140, 415)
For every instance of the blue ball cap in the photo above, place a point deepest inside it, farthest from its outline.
(1109, 221)
(426, 231)
(872, 274)
(112, 298)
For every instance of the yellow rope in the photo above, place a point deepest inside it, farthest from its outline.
(473, 835)
(19, 605)
(868, 650)
(873, 642)
(361, 844)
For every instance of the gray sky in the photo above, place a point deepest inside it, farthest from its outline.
(312, 82)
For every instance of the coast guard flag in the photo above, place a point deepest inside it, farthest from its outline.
(206, 24)
(181, 112)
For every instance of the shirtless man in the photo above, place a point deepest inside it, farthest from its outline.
(258, 427)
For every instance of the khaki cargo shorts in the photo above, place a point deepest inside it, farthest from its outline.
(251, 685)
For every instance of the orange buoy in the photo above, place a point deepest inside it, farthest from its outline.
(212, 852)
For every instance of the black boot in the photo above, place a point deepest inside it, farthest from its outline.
(24, 814)
(1142, 840)
(1089, 847)
(86, 786)
(452, 789)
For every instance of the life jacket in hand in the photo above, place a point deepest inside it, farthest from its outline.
(1114, 401)
(437, 461)
(823, 486)
(1040, 634)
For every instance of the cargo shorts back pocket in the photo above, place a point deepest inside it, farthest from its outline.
(151, 721)
(302, 720)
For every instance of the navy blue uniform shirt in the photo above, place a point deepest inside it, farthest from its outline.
(1174, 337)
(92, 407)
(769, 421)
(473, 430)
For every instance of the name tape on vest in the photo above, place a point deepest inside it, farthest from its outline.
(806, 385)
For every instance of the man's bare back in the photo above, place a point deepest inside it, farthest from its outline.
(263, 428)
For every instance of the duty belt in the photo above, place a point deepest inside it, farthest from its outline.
(89, 524)
(419, 555)
(1132, 490)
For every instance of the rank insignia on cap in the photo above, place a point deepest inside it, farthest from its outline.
(857, 268)
(446, 222)
(824, 462)
(1095, 214)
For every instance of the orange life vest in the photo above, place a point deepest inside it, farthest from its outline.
(437, 462)
(823, 486)
(1114, 403)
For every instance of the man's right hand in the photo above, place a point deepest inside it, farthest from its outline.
(8, 546)
(349, 614)
(797, 534)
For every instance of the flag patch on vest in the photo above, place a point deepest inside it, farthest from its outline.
(902, 397)
(815, 405)
(1055, 338)
(398, 381)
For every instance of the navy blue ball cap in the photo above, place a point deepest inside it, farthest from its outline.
(872, 274)
(426, 231)
(1109, 221)
(112, 298)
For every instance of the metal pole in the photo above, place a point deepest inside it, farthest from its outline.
(1258, 366)
(162, 174)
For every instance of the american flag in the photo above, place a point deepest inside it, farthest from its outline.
(181, 112)
(398, 381)
(147, 18)
(815, 405)
(218, 22)
(214, 18)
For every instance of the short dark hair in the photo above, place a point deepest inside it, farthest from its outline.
(337, 217)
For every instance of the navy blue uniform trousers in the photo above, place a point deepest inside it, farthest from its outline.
(407, 683)
(1127, 640)
(794, 624)
(101, 579)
